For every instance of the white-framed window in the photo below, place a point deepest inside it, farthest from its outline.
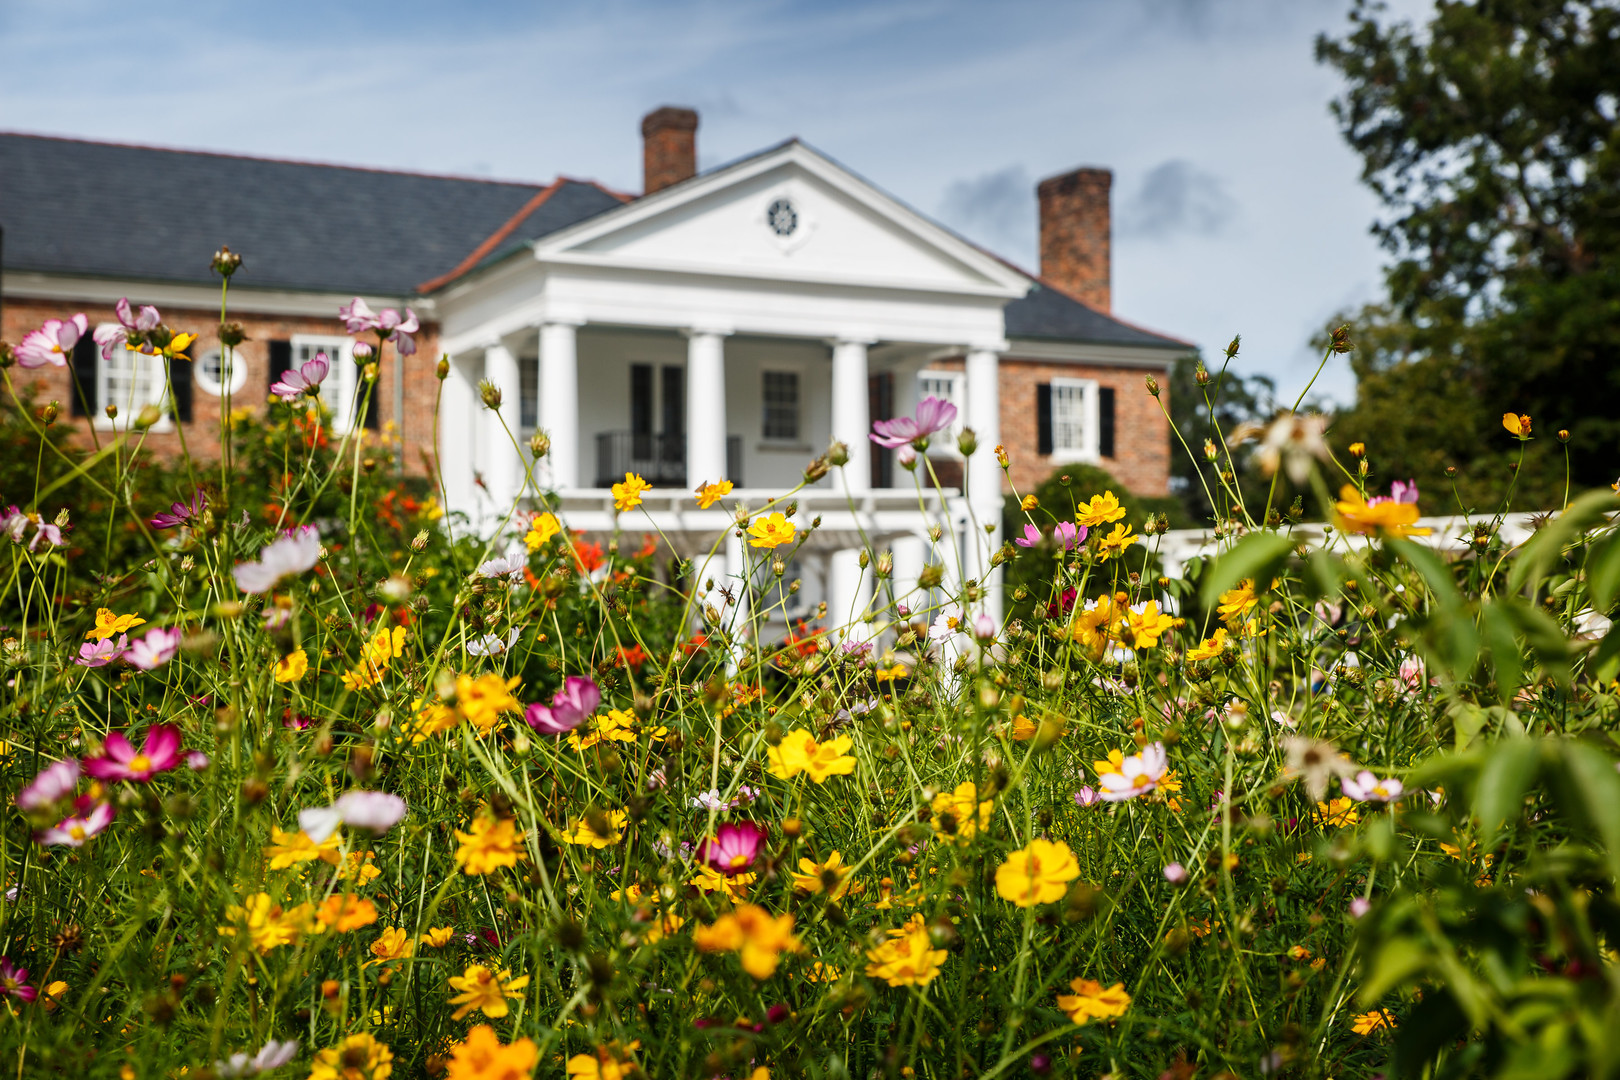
(218, 371)
(779, 420)
(337, 392)
(131, 380)
(948, 386)
(1075, 425)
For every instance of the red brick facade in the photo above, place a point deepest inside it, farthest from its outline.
(668, 148)
(1077, 235)
(1141, 433)
(414, 426)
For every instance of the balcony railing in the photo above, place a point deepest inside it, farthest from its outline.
(658, 459)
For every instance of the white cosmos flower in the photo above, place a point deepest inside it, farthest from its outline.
(1138, 774)
(292, 553)
(509, 566)
(948, 623)
(1365, 787)
(374, 810)
(492, 644)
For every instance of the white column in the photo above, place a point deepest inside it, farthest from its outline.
(705, 407)
(984, 471)
(458, 419)
(735, 616)
(910, 554)
(504, 474)
(849, 590)
(851, 422)
(558, 411)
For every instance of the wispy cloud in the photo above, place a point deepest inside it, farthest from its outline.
(1177, 198)
(996, 209)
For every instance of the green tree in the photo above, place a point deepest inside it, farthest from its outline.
(1489, 137)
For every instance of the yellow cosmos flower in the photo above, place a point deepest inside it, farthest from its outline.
(598, 829)
(819, 972)
(343, 913)
(615, 725)
(490, 845)
(269, 925)
(1116, 542)
(954, 815)
(1211, 648)
(482, 1056)
(438, 937)
(179, 344)
(108, 624)
(908, 958)
(393, 944)
(385, 646)
(1378, 1019)
(1142, 630)
(1517, 425)
(543, 528)
(1090, 1001)
(1353, 514)
(485, 989)
(1357, 449)
(289, 848)
(1028, 502)
(627, 494)
(291, 668)
(609, 1062)
(709, 494)
(484, 699)
(1340, 811)
(1037, 874)
(772, 530)
(358, 1057)
(53, 994)
(1234, 604)
(799, 752)
(1115, 762)
(430, 719)
(831, 876)
(758, 936)
(1100, 511)
(360, 867)
(710, 880)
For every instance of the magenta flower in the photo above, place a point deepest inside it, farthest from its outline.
(1359, 907)
(358, 318)
(196, 760)
(1069, 535)
(51, 343)
(1398, 493)
(46, 531)
(306, 380)
(932, 415)
(1086, 796)
(53, 784)
(1031, 537)
(154, 650)
(907, 457)
(74, 830)
(179, 513)
(14, 981)
(577, 699)
(733, 848)
(119, 761)
(131, 324)
(101, 653)
(295, 551)
(1175, 873)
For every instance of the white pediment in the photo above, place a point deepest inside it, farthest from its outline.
(787, 214)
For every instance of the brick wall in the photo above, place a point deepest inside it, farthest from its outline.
(1141, 432)
(415, 426)
(1077, 235)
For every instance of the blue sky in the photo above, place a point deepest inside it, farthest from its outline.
(1236, 205)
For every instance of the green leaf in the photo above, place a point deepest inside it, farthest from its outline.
(1509, 770)
(1603, 573)
(1398, 960)
(1589, 792)
(1539, 553)
(1496, 631)
(1255, 557)
(1434, 570)
(1545, 636)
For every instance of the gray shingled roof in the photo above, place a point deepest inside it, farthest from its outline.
(1049, 314)
(75, 207)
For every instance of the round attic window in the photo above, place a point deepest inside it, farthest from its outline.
(782, 218)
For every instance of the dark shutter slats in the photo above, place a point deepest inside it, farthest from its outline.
(674, 403)
(280, 360)
(1105, 421)
(85, 357)
(180, 385)
(1043, 418)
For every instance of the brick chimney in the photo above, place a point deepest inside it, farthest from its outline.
(668, 147)
(1077, 235)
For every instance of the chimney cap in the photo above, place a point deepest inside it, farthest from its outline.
(1067, 181)
(669, 118)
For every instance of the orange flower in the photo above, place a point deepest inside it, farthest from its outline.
(1354, 514)
(1518, 425)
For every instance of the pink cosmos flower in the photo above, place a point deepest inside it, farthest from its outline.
(1359, 907)
(53, 784)
(119, 761)
(46, 531)
(1063, 603)
(1069, 535)
(74, 830)
(907, 457)
(131, 324)
(51, 343)
(984, 627)
(733, 848)
(306, 380)
(101, 653)
(293, 552)
(363, 350)
(154, 650)
(570, 705)
(273, 1056)
(933, 415)
(196, 760)
(14, 981)
(358, 318)
(1031, 537)
(374, 810)
(1138, 774)
(1366, 787)
(179, 513)
(1086, 796)
(1398, 493)
(1175, 873)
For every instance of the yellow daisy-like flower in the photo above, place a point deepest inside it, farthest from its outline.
(543, 528)
(799, 752)
(108, 624)
(908, 958)
(598, 829)
(760, 937)
(1353, 514)
(772, 530)
(1211, 647)
(393, 944)
(1235, 604)
(482, 1056)
(269, 925)
(1142, 630)
(831, 876)
(344, 912)
(627, 494)
(360, 867)
(485, 989)
(1037, 874)
(1518, 425)
(1100, 511)
(610, 1062)
(1115, 762)
(491, 844)
(1090, 1001)
(1116, 542)
(438, 937)
(484, 699)
(1378, 1019)
(964, 821)
(358, 1057)
(291, 668)
(1028, 503)
(710, 880)
(709, 494)
(1339, 811)
(289, 848)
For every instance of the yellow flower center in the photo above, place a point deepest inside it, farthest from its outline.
(1141, 781)
(140, 763)
(76, 831)
(738, 860)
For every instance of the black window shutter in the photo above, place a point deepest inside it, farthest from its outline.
(1043, 418)
(373, 413)
(280, 360)
(1105, 421)
(641, 399)
(180, 383)
(674, 401)
(85, 357)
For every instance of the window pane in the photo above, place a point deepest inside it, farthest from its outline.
(781, 393)
(1068, 417)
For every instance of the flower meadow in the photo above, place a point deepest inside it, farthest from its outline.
(305, 778)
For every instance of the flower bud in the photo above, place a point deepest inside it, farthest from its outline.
(778, 567)
(1001, 457)
(111, 410)
(49, 412)
(1339, 340)
(362, 351)
(885, 565)
(865, 559)
(1232, 349)
(1451, 470)
(967, 442)
(443, 368)
(369, 372)
(539, 444)
(231, 334)
(226, 262)
(815, 470)
(150, 415)
(931, 576)
(1152, 385)
(419, 542)
(838, 454)
(1357, 449)
(1563, 435)
(491, 395)
(907, 456)
(1201, 376)
(1209, 450)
